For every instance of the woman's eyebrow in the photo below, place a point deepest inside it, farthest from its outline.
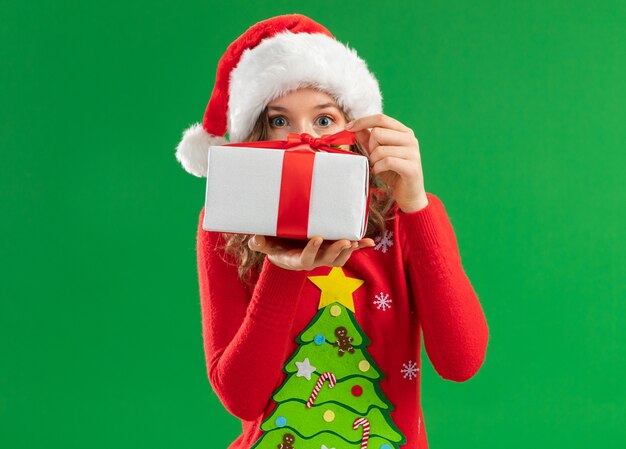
(326, 105)
(319, 106)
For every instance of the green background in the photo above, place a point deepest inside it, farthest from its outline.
(519, 110)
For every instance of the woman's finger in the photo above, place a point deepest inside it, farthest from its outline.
(366, 243)
(310, 251)
(329, 256)
(382, 120)
(344, 255)
(384, 136)
(265, 244)
(406, 169)
(384, 151)
(254, 244)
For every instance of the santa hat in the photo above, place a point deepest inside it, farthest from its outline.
(270, 59)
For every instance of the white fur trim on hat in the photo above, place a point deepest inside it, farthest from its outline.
(192, 151)
(288, 61)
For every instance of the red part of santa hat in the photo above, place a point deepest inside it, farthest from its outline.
(270, 59)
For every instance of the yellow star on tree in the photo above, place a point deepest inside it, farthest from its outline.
(336, 287)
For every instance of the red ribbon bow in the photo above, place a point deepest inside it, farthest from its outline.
(305, 141)
(297, 175)
(324, 142)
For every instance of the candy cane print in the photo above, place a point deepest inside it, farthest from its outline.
(332, 380)
(366, 430)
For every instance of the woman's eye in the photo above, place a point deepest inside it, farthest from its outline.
(325, 120)
(278, 121)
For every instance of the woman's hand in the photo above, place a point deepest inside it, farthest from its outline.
(394, 156)
(286, 253)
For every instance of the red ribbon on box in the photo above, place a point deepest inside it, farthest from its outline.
(297, 176)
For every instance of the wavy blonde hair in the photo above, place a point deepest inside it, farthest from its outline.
(380, 205)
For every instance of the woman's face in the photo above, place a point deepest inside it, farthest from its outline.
(304, 110)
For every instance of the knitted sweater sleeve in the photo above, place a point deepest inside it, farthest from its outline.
(453, 324)
(245, 334)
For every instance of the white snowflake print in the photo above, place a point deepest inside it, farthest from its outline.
(410, 370)
(324, 447)
(383, 301)
(384, 242)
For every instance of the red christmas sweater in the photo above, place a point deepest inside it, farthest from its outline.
(412, 279)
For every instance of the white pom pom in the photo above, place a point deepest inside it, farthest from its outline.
(192, 152)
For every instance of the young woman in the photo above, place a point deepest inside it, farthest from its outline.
(259, 294)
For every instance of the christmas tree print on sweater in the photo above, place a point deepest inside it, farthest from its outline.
(331, 398)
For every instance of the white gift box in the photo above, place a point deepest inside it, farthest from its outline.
(243, 193)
